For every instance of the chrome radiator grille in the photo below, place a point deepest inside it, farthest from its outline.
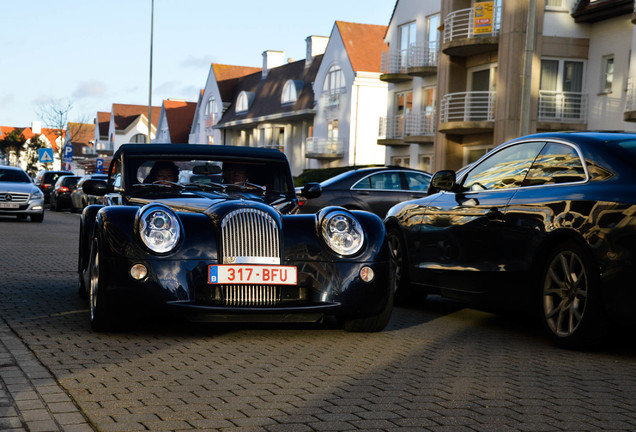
(15, 197)
(250, 236)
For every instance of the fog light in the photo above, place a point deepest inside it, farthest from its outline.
(367, 274)
(138, 271)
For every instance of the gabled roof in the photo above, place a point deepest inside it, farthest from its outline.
(125, 115)
(50, 134)
(81, 133)
(103, 121)
(364, 44)
(179, 115)
(268, 92)
(227, 77)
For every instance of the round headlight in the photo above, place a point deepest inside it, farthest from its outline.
(159, 229)
(342, 233)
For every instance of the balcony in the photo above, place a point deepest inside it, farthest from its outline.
(561, 110)
(331, 99)
(467, 112)
(104, 147)
(463, 38)
(418, 60)
(406, 129)
(324, 148)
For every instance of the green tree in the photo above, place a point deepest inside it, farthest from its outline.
(32, 156)
(12, 144)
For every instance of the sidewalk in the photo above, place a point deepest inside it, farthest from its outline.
(30, 397)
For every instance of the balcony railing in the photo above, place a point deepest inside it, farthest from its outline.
(562, 107)
(324, 148)
(398, 62)
(411, 124)
(331, 98)
(103, 146)
(468, 106)
(460, 24)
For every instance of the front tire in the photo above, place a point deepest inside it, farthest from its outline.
(571, 308)
(398, 268)
(101, 318)
(373, 323)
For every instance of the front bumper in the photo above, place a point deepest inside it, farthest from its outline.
(32, 207)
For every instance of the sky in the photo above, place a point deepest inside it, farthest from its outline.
(92, 54)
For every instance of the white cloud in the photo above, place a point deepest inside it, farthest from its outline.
(90, 89)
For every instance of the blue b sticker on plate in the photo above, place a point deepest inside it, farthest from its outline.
(213, 275)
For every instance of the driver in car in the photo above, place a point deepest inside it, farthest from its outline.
(163, 172)
(234, 174)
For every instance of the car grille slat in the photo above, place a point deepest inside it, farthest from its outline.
(250, 295)
(250, 236)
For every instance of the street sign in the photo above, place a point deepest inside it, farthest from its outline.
(45, 155)
(66, 166)
(68, 153)
(99, 166)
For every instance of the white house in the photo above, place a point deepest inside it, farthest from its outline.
(129, 124)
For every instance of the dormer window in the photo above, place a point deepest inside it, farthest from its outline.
(244, 101)
(290, 92)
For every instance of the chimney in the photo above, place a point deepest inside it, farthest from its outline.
(272, 59)
(36, 127)
(316, 45)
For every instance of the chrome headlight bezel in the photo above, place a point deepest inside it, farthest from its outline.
(342, 232)
(159, 228)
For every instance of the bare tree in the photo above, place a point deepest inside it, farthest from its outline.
(55, 115)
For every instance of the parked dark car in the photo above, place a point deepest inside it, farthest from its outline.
(226, 251)
(45, 180)
(79, 198)
(372, 189)
(19, 196)
(61, 194)
(545, 223)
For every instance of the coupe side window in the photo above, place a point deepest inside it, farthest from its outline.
(506, 168)
(417, 182)
(557, 163)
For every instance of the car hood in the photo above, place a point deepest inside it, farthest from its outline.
(17, 187)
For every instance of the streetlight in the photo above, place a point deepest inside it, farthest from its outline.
(152, 13)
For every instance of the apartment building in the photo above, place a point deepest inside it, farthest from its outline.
(504, 69)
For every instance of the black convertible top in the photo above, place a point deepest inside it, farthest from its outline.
(167, 150)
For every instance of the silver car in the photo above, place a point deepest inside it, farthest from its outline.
(19, 196)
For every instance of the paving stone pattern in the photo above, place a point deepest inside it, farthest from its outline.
(437, 367)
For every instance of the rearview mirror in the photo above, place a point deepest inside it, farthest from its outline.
(311, 190)
(443, 181)
(95, 187)
(206, 169)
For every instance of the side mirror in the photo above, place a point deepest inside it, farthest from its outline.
(443, 181)
(96, 187)
(311, 190)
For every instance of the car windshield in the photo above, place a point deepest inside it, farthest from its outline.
(263, 178)
(13, 176)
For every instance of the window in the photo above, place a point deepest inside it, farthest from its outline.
(416, 181)
(139, 138)
(403, 161)
(382, 181)
(407, 34)
(432, 35)
(557, 163)
(210, 108)
(506, 168)
(334, 81)
(425, 163)
(244, 101)
(290, 92)
(560, 87)
(608, 74)
(555, 5)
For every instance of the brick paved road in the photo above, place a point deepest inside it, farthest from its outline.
(437, 367)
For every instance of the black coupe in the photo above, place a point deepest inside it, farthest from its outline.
(546, 223)
(225, 251)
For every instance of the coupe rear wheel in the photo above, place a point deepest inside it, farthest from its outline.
(100, 316)
(397, 267)
(570, 302)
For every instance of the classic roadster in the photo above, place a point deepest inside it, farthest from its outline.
(227, 245)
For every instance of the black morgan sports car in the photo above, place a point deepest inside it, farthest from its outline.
(227, 246)
(544, 223)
